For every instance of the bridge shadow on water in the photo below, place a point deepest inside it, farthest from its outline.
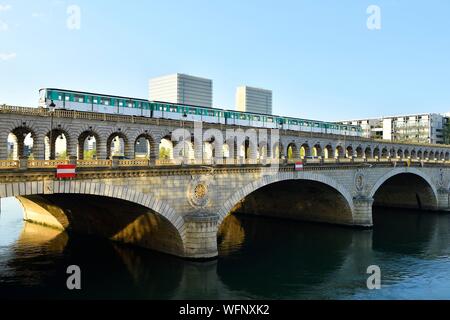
(259, 257)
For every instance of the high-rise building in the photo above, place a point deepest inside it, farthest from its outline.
(181, 88)
(421, 128)
(249, 99)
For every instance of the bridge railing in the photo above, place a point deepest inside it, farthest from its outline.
(145, 163)
(46, 163)
(9, 164)
(134, 163)
(94, 163)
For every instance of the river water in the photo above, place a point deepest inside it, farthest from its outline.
(260, 258)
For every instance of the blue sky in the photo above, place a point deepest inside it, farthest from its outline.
(318, 56)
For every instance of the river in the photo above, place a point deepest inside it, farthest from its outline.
(260, 258)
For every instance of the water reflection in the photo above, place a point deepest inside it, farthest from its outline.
(259, 258)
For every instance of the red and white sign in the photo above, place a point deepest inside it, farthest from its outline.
(65, 171)
(298, 166)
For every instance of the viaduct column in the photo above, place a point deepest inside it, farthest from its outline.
(362, 213)
(154, 152)
(39, 146)
(200, 238)
(443, 199)
(72, 145)
(4, 145)
(129, 150)
(101, 148)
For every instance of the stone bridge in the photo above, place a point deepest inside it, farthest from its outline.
(182, 209)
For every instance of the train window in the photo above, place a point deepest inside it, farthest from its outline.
(105, 101)
(269, 119)
(67, 97)
(95, 100)
(120, 103)
(79, 98)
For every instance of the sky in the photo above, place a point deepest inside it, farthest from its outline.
(322, 59)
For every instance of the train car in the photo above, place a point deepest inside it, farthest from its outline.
(93, 102)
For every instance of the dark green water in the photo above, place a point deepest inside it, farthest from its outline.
(260, 258)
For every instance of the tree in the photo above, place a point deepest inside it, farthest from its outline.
(90, 154)
(446, 133)
(164, 153)
(62, 155)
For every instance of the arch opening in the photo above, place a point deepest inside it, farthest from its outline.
(87, 145)
(116, 145)
(368, 153)
(406, 190)
(111, 218)
(305, 200)
(305, 151)
(20, 143)
(292, 152)
(359, 152)
(328, 152)
(56, 145)
(143, 147)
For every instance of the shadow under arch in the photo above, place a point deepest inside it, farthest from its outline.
(303, 196)
(405, 188)
(106, 217)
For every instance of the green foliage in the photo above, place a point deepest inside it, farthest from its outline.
(62, 156)
(164, 153)
(446, 133)
(90, 154)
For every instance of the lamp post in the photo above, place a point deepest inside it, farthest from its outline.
(184, 137)
(51, 107)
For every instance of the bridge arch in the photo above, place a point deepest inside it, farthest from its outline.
(88, 135)
(359, 152)
(402, 183)
(339, 152)
(269, 180)
(19, 135)
(368, 153)
(118, 141)
(376, 152)
(305, 150)
(149, 149)
(317, 150)
(77, 188)
(63, 134)
(292, 151)
(328, 151)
